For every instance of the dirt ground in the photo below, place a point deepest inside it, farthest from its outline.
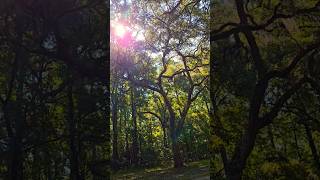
(193, 171)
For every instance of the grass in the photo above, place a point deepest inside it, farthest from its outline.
(193, 171)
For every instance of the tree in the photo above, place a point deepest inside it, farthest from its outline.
(246, 39)
(170, 48)
(170, 62)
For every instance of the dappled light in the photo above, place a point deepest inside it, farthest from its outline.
(159, 76)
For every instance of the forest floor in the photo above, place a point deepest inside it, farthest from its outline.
(193, 171)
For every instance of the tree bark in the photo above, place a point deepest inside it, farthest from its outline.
(312, 147)
(15, 145)
(115, 152)
(73, 145)
(16, 160)
(296, 141)
(177, 156)
(135, 143)
(165, 142)
(236, 165)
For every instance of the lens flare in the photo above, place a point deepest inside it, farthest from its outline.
(125, 34)
(120, 30)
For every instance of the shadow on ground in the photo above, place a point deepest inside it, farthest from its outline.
(193, 171)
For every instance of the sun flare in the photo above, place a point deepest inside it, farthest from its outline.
(120, 30)
(125, 34)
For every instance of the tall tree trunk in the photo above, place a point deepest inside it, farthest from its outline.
(74, 155)
(15, 145)
(94, 159)
(115, 152)
(234, 167)
(163, 121)
(35, 166)
(50, 168)
(312, 147)
(296, 141)
(165, 142)
(127, 149)
(135, 144)
(16, 160)
(177, 156)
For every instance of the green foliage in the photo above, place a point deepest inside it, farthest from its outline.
(292, 169)
(166, 72)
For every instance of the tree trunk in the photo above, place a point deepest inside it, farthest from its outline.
(15, 130)
(127, 148)
(115, 154)
(35, 167)
(16, 162)
(165, 143)
(135, 144)
(74, 155)
(177, 156)
(236, 165)
(296, 142)
(15, 145)
(312, 147)
(94, 159)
